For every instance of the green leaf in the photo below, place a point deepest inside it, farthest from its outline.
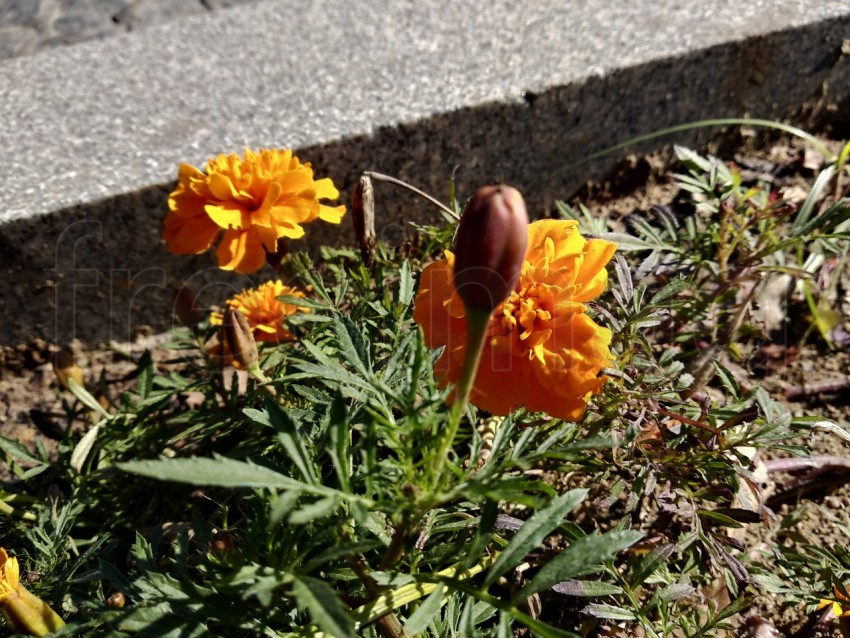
(144, 379)
(532, 533)
(418, 621)
(652, 561)
(339, 434)
(539, 628)
(800, 225)
(608, 612)
(736, 606)
(670, 290)
(727, 379)
(83, 448)
(17, 451)
(224, 472)
(626, 242)
(351, 344)
(323, 605)
(291, 440)
(721, 519)
(86, 398)
(314, 511)
(405, 284)
(588, 588)
(581, 557)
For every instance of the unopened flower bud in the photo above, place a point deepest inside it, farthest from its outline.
(185, 306)
(116, 600)
(240, 339)
(65, 368)
(222, 543)
(490, 246)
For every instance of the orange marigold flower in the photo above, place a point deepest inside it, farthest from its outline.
(840, 607)
(255, 200)
(264, 311)
(542, 351)
(23, 612)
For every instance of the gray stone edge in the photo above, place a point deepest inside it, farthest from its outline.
(98, 271)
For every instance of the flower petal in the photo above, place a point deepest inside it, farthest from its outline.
(228, 215)
(189, 235)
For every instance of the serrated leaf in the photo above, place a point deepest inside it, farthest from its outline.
(351, 343)
(581, 557)
(17, 451)
(727, 379)
(589, 588)
(670, 290)
(649, 563)
(770, 583)
(291, 440)
(418, 621)
(314, 511)
(692, 160)
(323, 605)
(224, 472)
(608, 612)
(675, 592)
(339, 433)
(532, 533)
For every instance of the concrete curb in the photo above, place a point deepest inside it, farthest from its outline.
(83, 257)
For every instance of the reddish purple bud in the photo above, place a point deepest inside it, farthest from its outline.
(240, 339)
(490, 246)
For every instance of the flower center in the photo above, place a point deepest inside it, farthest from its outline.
(523, 322)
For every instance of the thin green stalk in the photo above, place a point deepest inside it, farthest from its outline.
(414, 591)
(689, 126)
(477, 322)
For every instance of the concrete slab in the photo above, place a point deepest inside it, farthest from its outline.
(91, 135)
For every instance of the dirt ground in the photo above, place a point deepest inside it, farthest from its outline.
(814, 375)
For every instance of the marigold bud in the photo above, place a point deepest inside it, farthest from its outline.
(240, 339)
(185, 306)
(65, 368)
(490, 246)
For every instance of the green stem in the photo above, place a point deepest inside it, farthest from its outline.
(265, 383)
(477, 322)
(406, 594)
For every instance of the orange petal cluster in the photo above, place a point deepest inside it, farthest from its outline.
(251, 201)
(542, 351)
(840, 607)
(264, 311)
(23, 612)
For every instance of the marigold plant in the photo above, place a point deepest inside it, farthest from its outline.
(264, 311)
(542, 350)
(254, 200)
